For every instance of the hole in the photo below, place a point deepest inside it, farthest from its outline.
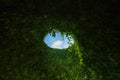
(58, 40)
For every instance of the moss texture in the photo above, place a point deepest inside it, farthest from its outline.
(93, 24)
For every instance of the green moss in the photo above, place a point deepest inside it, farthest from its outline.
(24, 55)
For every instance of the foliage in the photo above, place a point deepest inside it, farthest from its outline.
(92, 24)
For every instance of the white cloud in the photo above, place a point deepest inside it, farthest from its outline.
(57, 44)
(65, 45)
(62, 43)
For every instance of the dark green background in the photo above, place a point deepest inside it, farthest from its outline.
(24, 24)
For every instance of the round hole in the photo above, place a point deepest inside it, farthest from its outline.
(58, 40)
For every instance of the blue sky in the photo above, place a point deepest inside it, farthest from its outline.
(58, 41)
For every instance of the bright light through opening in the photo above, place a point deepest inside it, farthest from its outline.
(59, 41)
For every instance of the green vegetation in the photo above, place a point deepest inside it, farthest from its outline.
(25, 56)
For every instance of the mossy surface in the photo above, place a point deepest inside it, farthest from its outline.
(93, 25)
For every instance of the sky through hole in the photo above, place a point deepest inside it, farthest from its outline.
(59, 41)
